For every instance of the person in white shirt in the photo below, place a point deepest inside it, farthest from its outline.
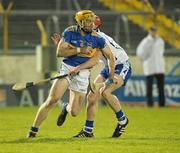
(105, 87)
(151, 53)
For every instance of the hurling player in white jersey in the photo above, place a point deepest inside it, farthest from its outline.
(118, 52)
(105, 87)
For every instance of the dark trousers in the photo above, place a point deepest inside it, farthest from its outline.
(149, 88)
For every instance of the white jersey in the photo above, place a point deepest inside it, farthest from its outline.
(118, 51)
(151, 51)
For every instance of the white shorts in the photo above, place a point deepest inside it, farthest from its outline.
(123, 70)
(79, 82)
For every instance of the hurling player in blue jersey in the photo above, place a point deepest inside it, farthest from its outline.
(105, 87)
(79, 46)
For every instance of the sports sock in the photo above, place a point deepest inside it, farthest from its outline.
(120, 115)
(64, 109)
(34, 129)
(88, 127)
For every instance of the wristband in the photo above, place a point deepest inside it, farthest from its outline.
(78, 50)
(108, 82)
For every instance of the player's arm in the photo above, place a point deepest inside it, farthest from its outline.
(65, 49)
(90, 63)
(110, 59)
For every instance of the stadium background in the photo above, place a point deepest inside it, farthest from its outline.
(28, 54)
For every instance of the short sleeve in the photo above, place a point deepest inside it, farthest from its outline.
(66, 35)
(101, 42)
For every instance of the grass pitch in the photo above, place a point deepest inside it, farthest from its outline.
(150, 130)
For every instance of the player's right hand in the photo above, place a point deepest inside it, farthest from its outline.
(56, 38)
(74, 71)
(86, 50)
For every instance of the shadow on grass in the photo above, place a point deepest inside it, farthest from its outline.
(43, 140)
(70, 140)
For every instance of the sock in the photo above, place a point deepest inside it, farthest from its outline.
(120, 115)
(64, 110)
(34, 129)
(88, 127)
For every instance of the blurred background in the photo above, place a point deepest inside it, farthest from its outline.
(28, 54)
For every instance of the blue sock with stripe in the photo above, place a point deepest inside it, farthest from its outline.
(34, 129)
(64, 110)
(120, 115)
(88, 127)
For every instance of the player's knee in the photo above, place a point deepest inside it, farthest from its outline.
(106, 93)
(91, 103)
(74, 112)
(92, 98)
(51, 101)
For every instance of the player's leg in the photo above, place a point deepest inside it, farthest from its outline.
(73, 107)
(123, 72)
(78, 89)
(114, 103)
(64, 112)
(111, 99)
(76, 100)
(91, 110)
(57, 90)
(92, 100)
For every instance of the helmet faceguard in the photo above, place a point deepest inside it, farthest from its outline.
(85, 19)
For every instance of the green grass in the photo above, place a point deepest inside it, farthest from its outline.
(155, 130)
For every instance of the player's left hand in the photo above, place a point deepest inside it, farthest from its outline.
(56, 38)
(74, 71)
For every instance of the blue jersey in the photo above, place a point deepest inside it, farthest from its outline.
(73, 36)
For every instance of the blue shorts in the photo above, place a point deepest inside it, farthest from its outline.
(123, 70)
